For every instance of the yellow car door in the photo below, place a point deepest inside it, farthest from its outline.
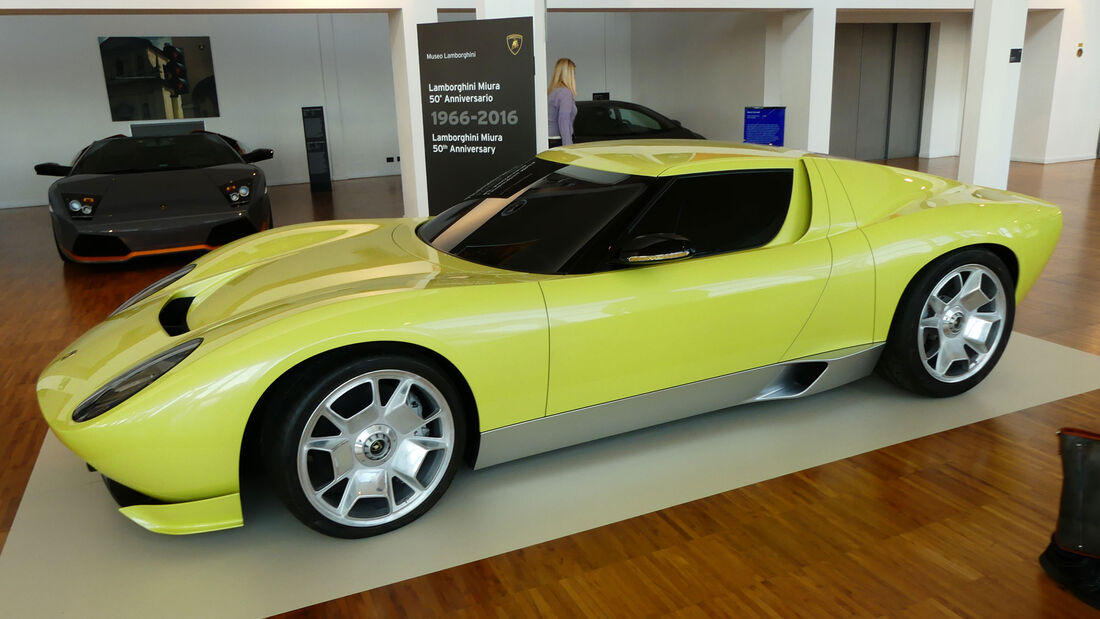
(719, 285)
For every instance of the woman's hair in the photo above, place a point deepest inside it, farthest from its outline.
(564, 76)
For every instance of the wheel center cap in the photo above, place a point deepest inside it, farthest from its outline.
(375, 444)
(953, 320)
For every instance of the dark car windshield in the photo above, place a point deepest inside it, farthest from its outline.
(600, 118)
(536, 218)
(151, 154)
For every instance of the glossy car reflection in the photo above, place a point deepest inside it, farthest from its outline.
(125, 197)
(596, 289)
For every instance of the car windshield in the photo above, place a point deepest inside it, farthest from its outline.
(537, 217)
(152, 154)
(598, 118)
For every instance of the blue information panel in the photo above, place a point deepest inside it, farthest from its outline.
(764, 125)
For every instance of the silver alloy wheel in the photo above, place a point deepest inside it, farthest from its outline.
(375, 448)
(961, 323)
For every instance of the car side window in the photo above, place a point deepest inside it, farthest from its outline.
(638, 122)
(720, 213)
(596, 120)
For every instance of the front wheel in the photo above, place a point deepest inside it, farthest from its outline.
(952, 325)
(370, 447)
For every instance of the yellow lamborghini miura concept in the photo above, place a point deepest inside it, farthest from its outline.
(593, 290)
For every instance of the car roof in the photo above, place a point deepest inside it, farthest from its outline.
(668, 157)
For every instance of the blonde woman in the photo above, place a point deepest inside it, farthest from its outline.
(562, 106)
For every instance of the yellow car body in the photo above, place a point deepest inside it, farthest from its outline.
(528, 346)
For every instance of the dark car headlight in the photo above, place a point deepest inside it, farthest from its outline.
(121, 388)
(79, 206)
(154, 287)
(238, 193)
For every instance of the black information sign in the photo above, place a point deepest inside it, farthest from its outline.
(313, 125)
(478, 80)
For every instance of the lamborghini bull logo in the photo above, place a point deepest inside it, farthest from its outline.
(515, 43)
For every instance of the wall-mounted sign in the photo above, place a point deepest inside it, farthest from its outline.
(764, 125)
(478, 81)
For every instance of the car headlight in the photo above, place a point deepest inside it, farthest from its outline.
(80, 206)
(237, 193)
(121, 388)
(154, 287)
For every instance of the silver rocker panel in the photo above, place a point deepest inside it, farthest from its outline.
(790, 379)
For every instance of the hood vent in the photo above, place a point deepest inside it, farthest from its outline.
(173, 316)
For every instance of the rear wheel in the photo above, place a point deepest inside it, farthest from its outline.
(952, 325)
(369, 447)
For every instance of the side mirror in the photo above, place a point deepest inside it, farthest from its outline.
(675, 122)
(650, 248)
(260, 154)
(52, 169)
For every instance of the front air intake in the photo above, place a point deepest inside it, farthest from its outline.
(173, 316)
(229, 232)
(99, 246)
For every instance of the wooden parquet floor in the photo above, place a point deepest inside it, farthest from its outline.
(944, 526)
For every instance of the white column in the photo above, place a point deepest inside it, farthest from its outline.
(989, 111)
(535, 9)
(1036, 92)
(334, 117)
(773, 60)
(944, 87)
(807, 77)
(408, 99)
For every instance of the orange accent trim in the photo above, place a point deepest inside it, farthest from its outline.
(1072, 551)
(1082, 433)
(136, 254)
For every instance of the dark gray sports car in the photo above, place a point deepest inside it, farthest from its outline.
(126, 197)
(622, 120)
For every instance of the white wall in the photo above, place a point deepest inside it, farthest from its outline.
(701, 68)
(365, 132)
(1075, 115)
(600, 45)
(54, 101)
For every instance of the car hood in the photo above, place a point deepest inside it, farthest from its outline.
(299, 266)
(164, 193)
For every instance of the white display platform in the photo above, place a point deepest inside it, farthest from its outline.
(71, 554)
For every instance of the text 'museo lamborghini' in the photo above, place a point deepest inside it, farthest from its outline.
(125, 197)
(595, 289)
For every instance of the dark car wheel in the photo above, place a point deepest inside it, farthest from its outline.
(367, 446)
(951, 325)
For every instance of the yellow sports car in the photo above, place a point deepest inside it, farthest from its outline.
(592, 290)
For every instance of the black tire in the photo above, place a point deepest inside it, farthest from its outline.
(299, 400)
(901, 360)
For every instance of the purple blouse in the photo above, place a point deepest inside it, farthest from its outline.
(561, 111)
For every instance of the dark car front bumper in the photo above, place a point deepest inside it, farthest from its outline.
(118, 241)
